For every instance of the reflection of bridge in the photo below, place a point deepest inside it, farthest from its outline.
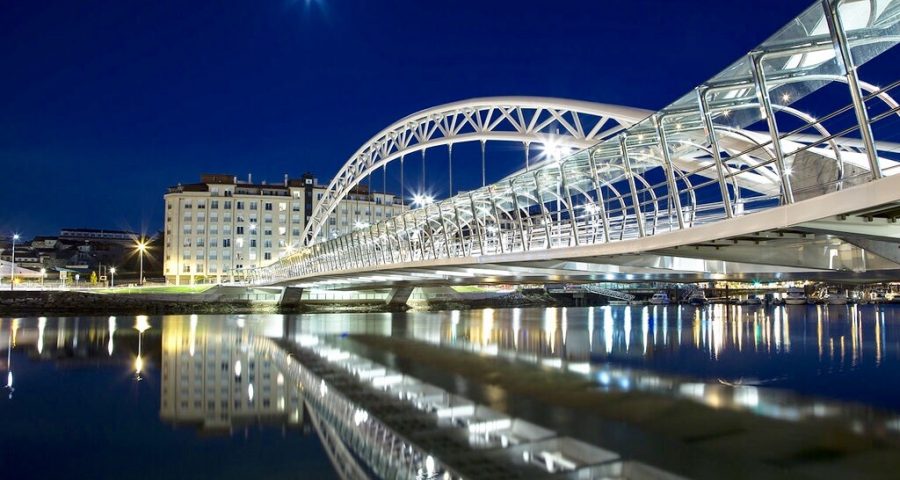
(733, 180)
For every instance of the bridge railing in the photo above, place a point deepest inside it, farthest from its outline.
(739, 143)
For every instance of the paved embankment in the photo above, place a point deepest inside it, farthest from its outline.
(78, 302)
(222, 299)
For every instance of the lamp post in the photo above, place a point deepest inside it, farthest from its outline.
(12, 272)
(43, 274)
(112, 275)
(141, 248)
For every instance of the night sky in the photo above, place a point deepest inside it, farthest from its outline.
(106, 103)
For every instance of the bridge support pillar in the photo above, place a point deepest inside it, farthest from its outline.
(291, 297)
(399, 296)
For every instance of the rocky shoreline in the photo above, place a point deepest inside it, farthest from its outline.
(29, 303)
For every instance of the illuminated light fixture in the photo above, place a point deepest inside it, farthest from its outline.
(554, 150)
(786, 97)
(788, 170)
(422, 200)
(359, 225)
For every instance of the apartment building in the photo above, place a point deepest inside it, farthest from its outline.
(221, 226)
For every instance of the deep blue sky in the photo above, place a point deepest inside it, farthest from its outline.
(106, 103)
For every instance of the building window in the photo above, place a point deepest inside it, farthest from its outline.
(214, 203)
(267, 255)
(227, 204)
(268, 206)
(253, 205)
(267, 244)
(252, 245)
(268, 218)
(267, 232)
(187, 269)
(240, 205)
(226, 242)
(239, 230)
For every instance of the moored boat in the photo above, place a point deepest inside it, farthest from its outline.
(795, 296)
(752, 299)
(697, 297)
(659, 298)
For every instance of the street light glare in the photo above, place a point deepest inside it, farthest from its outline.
(554, 150)
(422, 199)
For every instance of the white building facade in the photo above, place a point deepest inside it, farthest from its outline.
(221, 226)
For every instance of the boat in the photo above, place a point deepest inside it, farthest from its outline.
(795, 296)
(697, 297)
(836, 298)
(659, 298)
(878, 296)
(752, 299)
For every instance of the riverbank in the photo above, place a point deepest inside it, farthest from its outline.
(136, 302)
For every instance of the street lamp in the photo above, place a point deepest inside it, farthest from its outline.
(112, 273)
(141, 247)
(12, 273)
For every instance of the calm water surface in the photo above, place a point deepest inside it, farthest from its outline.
(194, 397)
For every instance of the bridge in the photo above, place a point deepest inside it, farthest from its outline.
(734, 180)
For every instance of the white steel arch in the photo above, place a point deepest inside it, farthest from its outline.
(506, 119)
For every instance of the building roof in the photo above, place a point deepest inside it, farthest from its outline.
(94, 230)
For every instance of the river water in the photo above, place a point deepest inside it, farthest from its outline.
(191, 396)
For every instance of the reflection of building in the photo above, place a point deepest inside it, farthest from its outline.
(214, 376)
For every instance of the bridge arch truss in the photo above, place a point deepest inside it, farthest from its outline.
(740, 143)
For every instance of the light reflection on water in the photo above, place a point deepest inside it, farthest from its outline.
(786, 362)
